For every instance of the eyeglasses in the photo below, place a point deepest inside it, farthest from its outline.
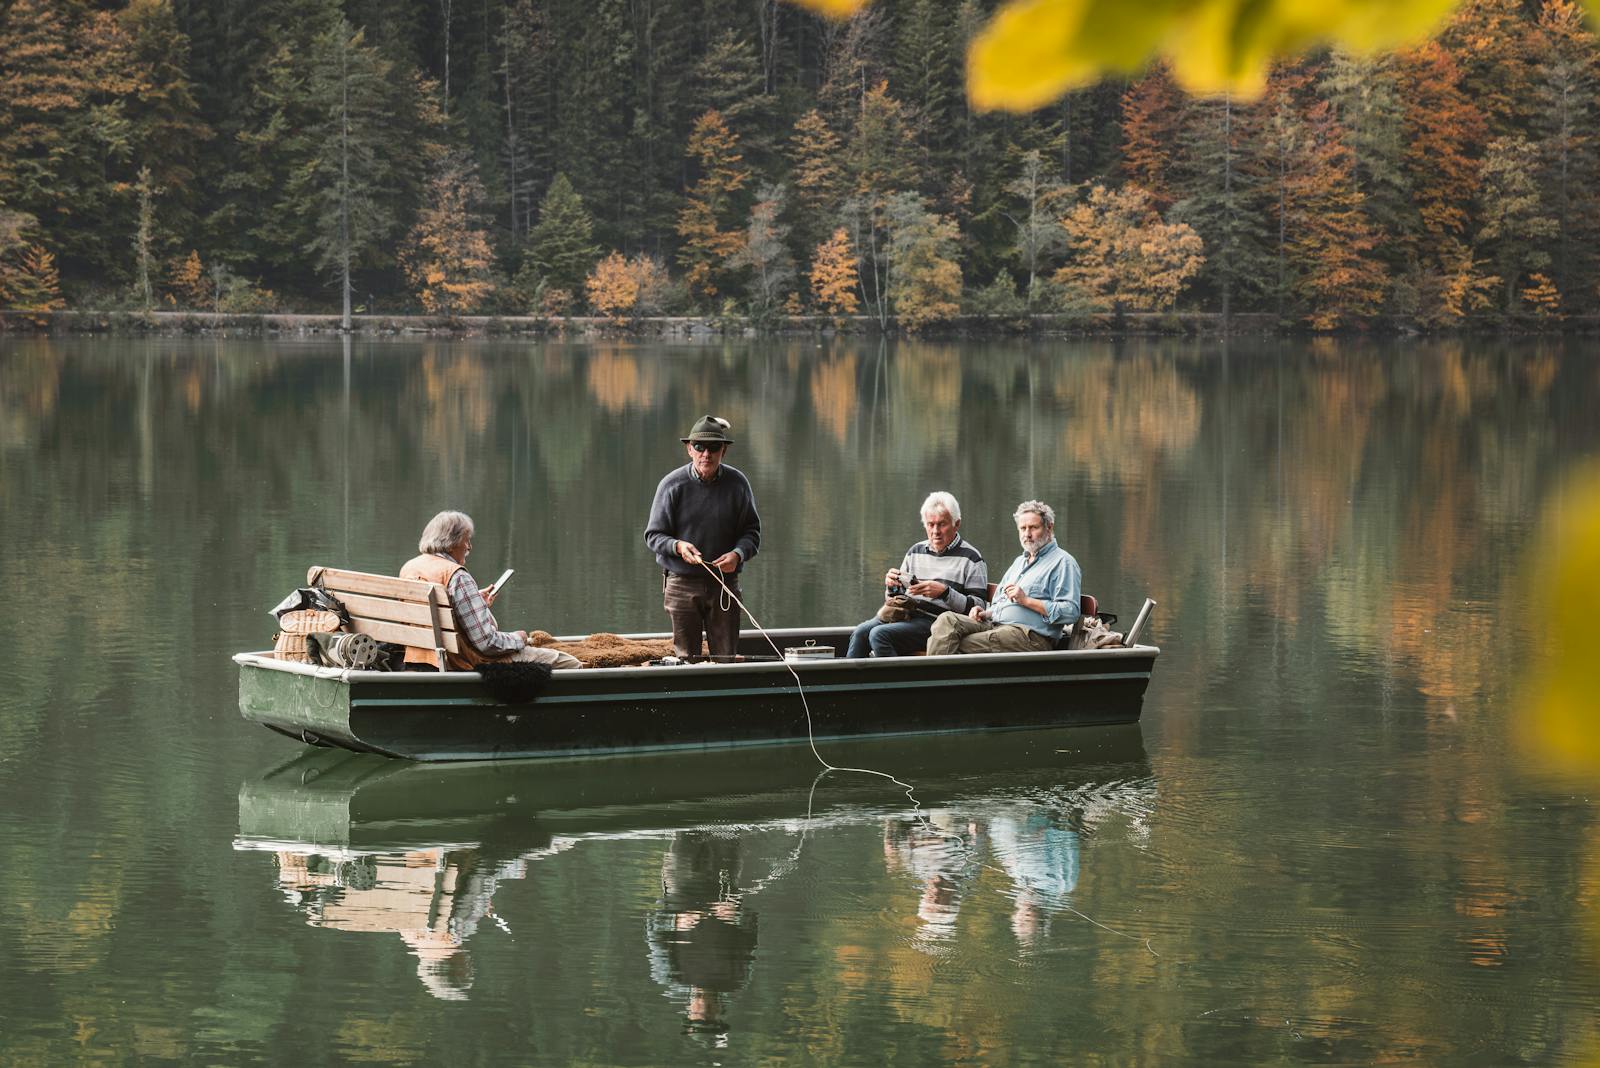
(707, 446)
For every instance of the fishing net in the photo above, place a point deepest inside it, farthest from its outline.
(606, 650)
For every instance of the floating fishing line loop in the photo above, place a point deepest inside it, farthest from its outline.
(911, 796)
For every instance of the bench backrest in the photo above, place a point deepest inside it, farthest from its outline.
(402, 611)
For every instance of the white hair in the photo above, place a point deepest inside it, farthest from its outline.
(444, 532)
(940, 501)
(1038, 508)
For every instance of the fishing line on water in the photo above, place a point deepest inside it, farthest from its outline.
(911, 796)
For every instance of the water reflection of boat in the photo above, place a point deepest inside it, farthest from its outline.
(363, 843)
(454, 716)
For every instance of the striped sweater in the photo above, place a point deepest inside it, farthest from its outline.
(960, 567)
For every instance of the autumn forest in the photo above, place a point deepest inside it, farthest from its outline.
(750, 158)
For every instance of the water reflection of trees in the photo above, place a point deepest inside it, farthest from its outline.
(1340, 523)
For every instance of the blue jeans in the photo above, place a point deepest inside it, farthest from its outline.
(890, 639)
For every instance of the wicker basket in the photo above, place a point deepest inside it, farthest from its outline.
(290, 642)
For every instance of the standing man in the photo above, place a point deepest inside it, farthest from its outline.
(704, 514)
(1036, 600)
(946, 573)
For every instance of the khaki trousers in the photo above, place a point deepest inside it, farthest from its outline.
(957, 633)
(694, 603)
(538, 654)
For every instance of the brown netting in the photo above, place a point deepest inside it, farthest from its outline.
(606, 650)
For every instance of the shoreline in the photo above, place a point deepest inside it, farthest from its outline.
(1132, 324)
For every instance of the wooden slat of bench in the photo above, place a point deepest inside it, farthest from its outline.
(392, 611)
(419, 637)
(399, 589)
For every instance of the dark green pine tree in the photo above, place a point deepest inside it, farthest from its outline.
(925, 74)
(1365, 93)
(594, 113)
(662, 91)
(728, 80)
(561, 250)
(261, 236)
(347, 188)
(1219, 192)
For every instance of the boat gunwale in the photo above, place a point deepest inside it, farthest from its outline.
(264, 659)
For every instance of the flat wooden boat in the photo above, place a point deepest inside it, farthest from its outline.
(453, 716)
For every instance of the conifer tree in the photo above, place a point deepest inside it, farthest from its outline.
(704, 223)
(30, 281)
(1569, 99)
(44, 87)
(729, 81)
(925, 78)
(560, 250)
(1515, 229)
(166, 130)
(1365, 94)
(816, 175)
(765, 253)
(1151, 116)
(880, 157)
(1220, 194)
(925, 276)
(1494, 46)
(347, 184)
(1443, 133)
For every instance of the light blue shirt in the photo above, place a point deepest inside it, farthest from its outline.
(1052, 577)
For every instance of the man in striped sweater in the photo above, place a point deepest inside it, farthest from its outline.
(943, 574)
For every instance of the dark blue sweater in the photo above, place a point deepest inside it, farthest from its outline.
(713, 516)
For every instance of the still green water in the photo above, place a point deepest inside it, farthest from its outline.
(1322, 842)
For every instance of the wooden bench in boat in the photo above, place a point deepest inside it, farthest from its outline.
(402, 611)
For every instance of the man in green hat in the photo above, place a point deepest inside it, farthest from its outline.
(703, 518)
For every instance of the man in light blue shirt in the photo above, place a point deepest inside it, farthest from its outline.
(1037, 599)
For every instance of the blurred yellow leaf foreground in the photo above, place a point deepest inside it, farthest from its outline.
(1032, 51)
(1565, 681)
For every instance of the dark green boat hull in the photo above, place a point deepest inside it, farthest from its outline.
(429, 716)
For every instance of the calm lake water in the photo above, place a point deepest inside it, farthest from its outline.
(1321, 843)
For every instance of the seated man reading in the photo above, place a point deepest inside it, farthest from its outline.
(1037, 599)
(442, 558)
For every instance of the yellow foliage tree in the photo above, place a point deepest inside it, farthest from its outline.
(613, 289)
(187, 283)
(1541, 298)
(706, 224)
(31, 283)
(1121, 255)
(833, 275)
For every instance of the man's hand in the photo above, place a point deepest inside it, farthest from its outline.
(489, 596)
(892, 577)
(727, 563)
(521, 634)
(977, 612)
(1015, 595)
(690, 553)
(930, 588)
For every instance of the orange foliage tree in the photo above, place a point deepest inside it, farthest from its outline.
(833, 275)
(1151, 111)
(30, 281)
(1120, 255)
(613, 289)
(447, 255)
(187, 285)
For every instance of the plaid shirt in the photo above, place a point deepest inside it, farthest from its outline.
(475, 619)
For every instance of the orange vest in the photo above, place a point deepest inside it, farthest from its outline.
(440, 569)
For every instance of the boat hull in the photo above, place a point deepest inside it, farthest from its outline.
(452, 716)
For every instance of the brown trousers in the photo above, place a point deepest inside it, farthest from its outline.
(694, 603)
